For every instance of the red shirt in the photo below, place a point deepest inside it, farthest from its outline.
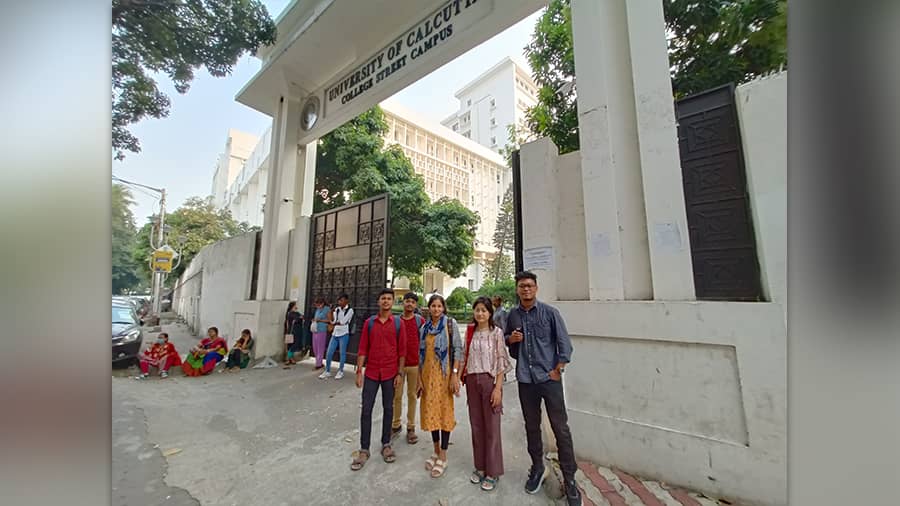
(411, 330)
(381, 348)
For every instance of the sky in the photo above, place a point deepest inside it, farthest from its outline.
(179, 152)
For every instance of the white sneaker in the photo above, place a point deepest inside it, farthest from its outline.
(339, 375)
(325, 375)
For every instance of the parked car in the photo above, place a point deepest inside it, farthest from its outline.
(127, 335)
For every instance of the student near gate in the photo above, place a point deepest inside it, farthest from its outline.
(411, 323)
(440, 353)
(379, 365)
(538, 340)
(340, 336)
(483, 372)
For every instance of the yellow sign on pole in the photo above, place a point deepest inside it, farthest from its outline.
(161, 261)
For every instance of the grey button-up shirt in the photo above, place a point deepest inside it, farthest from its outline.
(500, 316)
(546, 341)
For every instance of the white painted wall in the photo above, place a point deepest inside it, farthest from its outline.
(762, 112)
(691, 393)
(218, 275)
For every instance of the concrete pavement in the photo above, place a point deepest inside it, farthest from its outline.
(283, 437)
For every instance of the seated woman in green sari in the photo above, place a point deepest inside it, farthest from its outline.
(203, 358)
(239, 356)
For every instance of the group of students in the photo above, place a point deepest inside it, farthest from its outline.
(325, 321)
(436, 360)
(201, 360)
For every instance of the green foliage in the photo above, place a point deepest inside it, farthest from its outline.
(352, 164)
(175, 38)
(505, 288)
(716, 42)
(198, 222)
(459, 297)
(710, 42)
(448, 236)
(504, 239)
(124, 269)
(552, 58)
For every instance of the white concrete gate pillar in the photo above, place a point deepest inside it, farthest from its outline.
(635, 221)
(278, 218)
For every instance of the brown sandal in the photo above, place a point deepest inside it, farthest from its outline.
(387, 453)
(360, 460)
(411, 437)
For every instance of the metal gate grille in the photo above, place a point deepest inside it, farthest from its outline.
(723, 245)
(348, 255)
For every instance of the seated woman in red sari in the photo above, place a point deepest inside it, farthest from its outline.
(203, 358)
(161, 355)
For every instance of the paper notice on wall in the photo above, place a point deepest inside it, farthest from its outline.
(538, 259)
(667, 237)
(295, 294)
(600, 246)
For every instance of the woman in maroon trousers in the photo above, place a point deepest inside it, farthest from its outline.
(486, 363)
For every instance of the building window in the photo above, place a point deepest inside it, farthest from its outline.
(469, 103)
(493, 141)
(456, 127)
(493, 121)
(493, 103)
(498, 178)
(498, 199)
(471, 284)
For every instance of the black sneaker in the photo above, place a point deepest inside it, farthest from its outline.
(573, 495)
(535, 480)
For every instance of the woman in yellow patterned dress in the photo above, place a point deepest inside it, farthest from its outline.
(440, 353)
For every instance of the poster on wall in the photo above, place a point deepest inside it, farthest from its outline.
(538, 259)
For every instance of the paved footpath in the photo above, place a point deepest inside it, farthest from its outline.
(283, 437)
(604, 486)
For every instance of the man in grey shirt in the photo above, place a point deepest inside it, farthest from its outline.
(536, 335)
(500, 314)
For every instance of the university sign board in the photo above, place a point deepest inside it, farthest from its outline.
(161, 260)
(450, 19)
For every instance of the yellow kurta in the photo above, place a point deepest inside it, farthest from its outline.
(437, 401)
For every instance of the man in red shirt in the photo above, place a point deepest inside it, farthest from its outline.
(410, 324)
(379, 364)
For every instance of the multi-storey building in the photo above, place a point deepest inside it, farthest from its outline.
(240, 177)
(492, 102)
(454, 167)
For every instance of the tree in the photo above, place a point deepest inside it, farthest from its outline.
(459, 297)
(124, 269)
(504, 239)
(198, 222)
(175, 37)
(715, 42)
(448, 236)
(551, 55)
(352, 164)
(711, 43)
(505, 288)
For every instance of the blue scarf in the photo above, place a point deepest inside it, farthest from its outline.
(441, 341)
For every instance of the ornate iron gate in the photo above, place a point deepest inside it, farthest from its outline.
(723, 245)
(348, 255)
